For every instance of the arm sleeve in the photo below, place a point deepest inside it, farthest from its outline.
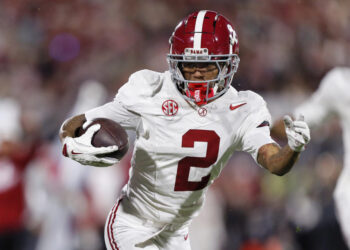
(117, 112)
(121, 109)
(254, 139)
(255, 130)
(321, 104)
(130, 101)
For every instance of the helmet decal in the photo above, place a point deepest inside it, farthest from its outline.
(197, 39)
(233, 37)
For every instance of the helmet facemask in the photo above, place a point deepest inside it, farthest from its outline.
(203, 91)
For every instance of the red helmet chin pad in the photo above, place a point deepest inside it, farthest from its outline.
(198, 91)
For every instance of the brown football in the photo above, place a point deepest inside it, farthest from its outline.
(110, 133)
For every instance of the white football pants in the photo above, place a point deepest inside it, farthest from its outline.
(125, 231)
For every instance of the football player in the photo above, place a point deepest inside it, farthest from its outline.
(188, 122)
(332, 98)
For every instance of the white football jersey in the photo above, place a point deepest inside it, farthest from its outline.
(332, 97)
(181, 148)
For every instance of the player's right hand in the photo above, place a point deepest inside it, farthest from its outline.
(81, 150)
(298, 133)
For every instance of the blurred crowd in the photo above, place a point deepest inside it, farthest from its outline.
(62, 57)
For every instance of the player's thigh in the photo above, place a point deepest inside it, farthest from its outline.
(124, 231)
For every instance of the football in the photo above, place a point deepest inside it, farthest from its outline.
(110, 133)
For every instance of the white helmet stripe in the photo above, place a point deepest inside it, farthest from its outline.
(197, 40)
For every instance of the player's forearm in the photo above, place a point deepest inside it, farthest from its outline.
(278, 130)
(277, 160)
(70, 126)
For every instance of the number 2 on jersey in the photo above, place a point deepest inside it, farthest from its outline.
(183, 170)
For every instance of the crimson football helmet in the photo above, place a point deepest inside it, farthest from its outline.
(204, 37)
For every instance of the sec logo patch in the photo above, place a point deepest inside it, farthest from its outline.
(170, 107)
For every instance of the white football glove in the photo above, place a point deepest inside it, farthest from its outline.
(81, 150)
(298, 133)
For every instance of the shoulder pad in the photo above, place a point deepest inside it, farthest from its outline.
(146, 82)
(143, 83)
(251, 98)
(256, 107)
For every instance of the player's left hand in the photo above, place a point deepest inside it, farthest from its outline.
(298, 133)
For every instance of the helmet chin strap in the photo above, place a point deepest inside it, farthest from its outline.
(198, 91)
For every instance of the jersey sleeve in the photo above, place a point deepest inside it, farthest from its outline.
(128, 104)
(255, 130)
(322, 103)
(117, 112)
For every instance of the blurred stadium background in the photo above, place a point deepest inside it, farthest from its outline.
(59, 57)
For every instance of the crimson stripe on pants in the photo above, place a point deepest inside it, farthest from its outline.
(110, 226)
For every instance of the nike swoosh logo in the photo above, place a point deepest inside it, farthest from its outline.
(74, 153)
(186, 236)
(237, 106)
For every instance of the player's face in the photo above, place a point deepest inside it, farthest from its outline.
(199, 71)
